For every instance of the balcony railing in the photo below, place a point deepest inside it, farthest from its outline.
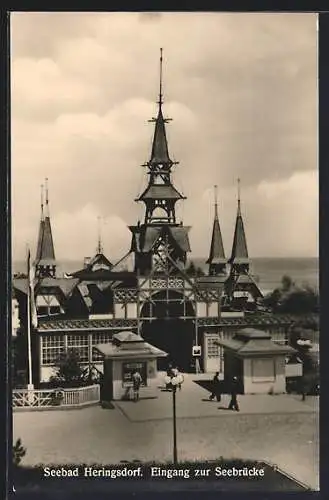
(23, 398)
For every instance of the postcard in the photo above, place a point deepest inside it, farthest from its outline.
(165, 289)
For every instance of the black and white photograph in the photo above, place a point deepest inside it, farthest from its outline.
(165, 271)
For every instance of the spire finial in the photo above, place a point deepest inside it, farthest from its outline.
(46, 187)
(47, 199)
(216, 199)
(160, 89)
(239, 194)
(99, 245)
(41, 201)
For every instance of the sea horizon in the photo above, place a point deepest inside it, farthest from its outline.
(267, 271)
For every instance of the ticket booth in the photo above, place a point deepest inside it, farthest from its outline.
(257, 362)
(127, 353)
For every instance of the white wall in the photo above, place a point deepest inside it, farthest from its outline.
(213, 309)
(131, 310)
(119, 311)
(201, 308)
(263, 384)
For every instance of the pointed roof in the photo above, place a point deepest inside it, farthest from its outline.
(160, 153)
(161, 192)
(45, 255)
(239, 249)
(216, 254)
(99, 263)
(250, 342)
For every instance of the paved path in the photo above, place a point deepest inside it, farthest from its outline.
(192, 402)
(95, 435)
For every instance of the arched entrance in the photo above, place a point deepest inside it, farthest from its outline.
(168, 329)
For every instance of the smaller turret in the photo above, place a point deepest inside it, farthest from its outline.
(217, 261)
(45, 262)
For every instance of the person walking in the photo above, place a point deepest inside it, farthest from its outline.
(137, 380)
(234, 392)
(216, 388)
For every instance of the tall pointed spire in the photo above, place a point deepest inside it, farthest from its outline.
(240, 279)
(216, 260)
(239, 249)
(99, 244)
(45, 258)
(160, 229)
(160, 153)
(160, 195)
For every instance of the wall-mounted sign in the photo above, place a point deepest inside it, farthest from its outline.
(196, 350)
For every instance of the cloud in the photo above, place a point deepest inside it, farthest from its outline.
(241, 89)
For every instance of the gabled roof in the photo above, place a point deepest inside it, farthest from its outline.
(149, 234)
(66, 286)
(180, 235)
(98, 264)
(249, 342)
(129, 344)
(127, 336)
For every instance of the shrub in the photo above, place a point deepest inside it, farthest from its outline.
(18, 452)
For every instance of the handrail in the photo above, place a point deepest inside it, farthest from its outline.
(56, 397)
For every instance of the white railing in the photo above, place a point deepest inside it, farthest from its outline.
(56, 397)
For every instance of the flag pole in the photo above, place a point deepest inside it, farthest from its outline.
(30, 385)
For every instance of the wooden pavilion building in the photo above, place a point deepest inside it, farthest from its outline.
(156, 298)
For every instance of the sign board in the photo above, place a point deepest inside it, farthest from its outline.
(196, 350)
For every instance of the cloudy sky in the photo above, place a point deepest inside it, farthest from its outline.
(242, 92)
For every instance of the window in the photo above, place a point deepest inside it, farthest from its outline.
(128, 370)
(51, 349)
(263, 370)
(79, 343)
(100, 338)
(212, 348)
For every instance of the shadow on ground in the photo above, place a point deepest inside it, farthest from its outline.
(208, 386)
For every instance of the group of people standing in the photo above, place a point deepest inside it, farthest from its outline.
(216, 392)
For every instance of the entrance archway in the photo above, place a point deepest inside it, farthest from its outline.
(168, 330)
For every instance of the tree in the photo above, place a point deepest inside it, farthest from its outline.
(300, 301)
(199, 271)
(286, 283)
(291, 299)
(69, 372)
(192, 270)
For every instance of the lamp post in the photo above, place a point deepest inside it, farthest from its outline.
(174, 382)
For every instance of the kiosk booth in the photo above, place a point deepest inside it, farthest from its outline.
(258, 363)
(127, 353)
